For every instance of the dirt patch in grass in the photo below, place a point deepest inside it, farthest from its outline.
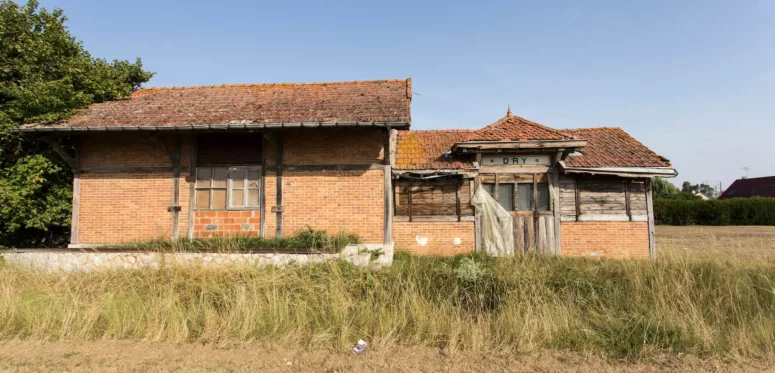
(126, 356)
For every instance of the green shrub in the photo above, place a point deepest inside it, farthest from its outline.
(736, 211)
(307, 239)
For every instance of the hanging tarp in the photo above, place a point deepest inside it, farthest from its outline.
(497, 226)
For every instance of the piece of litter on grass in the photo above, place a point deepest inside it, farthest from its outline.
(359, 347)
(290, 363)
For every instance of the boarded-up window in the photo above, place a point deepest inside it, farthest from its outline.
(229, 149)
(601, 198)
(450, 197)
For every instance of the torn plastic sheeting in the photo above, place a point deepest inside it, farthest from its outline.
(497, 225)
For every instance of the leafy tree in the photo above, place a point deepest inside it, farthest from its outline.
(45, 75)
(662, 187)
(705, 189)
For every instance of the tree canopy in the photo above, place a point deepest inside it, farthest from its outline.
(45, 75)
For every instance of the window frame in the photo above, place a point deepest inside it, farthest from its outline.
(228, 188)
(245, 188)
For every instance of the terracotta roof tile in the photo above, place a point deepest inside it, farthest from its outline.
(367, 101)
(607, 147)
(612, 147)
(514, 128)
(424, 150)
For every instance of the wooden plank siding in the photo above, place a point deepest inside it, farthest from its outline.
(602, 199)
(433, 198)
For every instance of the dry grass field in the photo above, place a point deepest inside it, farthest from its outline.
(755, 245)
(708, 306)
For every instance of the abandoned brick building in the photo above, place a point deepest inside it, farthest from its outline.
(271, 159)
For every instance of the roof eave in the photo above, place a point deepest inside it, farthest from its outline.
(211, 127)
(666, 172)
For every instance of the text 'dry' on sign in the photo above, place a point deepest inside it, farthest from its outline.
(515, 160)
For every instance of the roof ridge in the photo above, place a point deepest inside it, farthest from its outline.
(593, 128)
(271, 84)
(510, 116)
(439, 130)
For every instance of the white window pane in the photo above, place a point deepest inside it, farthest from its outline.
(219, 177)
(236, 197)
(524, 197)
(543, 196)
(238, 178)
(219, 199)
(253, 176)
(203, 175)
(203, 199)
(253, 198)
(506, 196)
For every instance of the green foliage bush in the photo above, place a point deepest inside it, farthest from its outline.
(736, 211)
(45, 75)
(307, 239)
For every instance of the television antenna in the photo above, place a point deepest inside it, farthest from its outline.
(746, 169)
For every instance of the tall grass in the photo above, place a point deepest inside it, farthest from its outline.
(621, 309)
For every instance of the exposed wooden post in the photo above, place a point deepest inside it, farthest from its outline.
(577, 198)
(279, 203)
(627, 209)
(409, 202)
(650, 210)
(556, 209)
(497, 187)
(457, 200)
(262, 187)
(388, 187)
(192, 160)
(76, 204)
(536, 226)
(76, 194)
(175, 208)
(477, 217)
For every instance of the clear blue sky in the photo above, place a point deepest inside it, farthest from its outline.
(693, 80)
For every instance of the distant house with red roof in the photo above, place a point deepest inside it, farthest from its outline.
(270, 159)
(751, 187)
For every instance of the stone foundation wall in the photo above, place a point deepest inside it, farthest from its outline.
(67, 262)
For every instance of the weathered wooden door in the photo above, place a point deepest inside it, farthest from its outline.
(534, 232)
(527, 197)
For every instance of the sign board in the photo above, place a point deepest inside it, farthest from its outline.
(515, 160)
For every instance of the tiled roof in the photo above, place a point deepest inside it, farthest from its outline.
(425, 150)
(752, 187)
(607, 147)
(612, 147)
(356, 101)
(514, 128)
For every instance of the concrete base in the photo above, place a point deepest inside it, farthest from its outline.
(67, 261)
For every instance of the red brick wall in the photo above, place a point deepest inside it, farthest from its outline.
(333, 146)
(349, 201)
(434, 238)
(126, 207)
(605, 239)
(226, 223)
